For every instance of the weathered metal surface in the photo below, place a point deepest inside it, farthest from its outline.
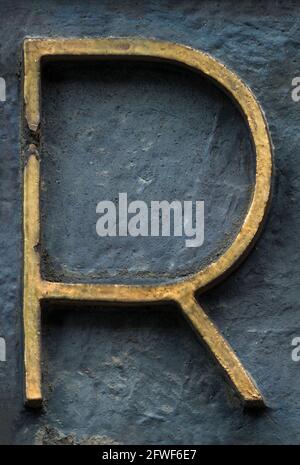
(37, 289)
(140, 375)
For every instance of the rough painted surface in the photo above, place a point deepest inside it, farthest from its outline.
(139, 375)
(155, 133)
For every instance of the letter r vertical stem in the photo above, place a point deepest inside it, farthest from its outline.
(31, 301)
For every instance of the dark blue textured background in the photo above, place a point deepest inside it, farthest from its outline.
(154, 132)
(140, 375)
